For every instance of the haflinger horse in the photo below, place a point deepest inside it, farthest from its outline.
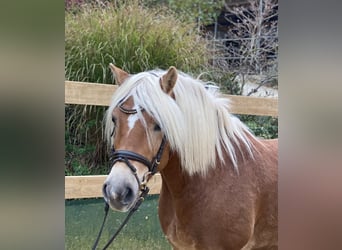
(219, 181)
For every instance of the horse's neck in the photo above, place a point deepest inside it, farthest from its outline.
(174, 178)
(178, 184)
(176, 181)
(182, 193)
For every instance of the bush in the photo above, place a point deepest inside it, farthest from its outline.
(132, 37)
(262, 126)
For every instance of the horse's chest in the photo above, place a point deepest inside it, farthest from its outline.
(179, 237)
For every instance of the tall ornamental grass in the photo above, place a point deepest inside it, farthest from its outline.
(132, 37)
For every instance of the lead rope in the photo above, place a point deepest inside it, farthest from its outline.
(131, 212)
(104, 220)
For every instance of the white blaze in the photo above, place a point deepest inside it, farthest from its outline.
(132, 119)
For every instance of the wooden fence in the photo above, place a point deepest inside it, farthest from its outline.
(84, 93)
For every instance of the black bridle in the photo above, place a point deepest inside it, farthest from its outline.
(125, 156)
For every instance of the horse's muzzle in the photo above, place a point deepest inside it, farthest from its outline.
(119, 198)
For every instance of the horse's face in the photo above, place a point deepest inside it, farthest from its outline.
(121, 188)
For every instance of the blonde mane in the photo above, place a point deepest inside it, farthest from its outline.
(197, 123)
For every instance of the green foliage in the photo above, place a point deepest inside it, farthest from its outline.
(262, 126)
(85, 150)
(225, 80)
(203, 12)
(132, 37)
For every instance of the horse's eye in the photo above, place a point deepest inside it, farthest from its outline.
(156, 127)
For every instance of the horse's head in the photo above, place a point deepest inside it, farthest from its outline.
(138, 143)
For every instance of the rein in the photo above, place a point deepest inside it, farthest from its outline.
(125, 156)
(132, 210)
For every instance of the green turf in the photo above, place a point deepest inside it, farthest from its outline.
(83, 219)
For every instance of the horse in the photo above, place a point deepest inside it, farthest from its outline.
(219, 181)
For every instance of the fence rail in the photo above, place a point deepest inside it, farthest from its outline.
(90, 186)
(84, 93)
(101, 94)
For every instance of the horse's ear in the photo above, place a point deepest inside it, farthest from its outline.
(119, 74)
(168, 81)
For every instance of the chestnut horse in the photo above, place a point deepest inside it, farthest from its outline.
(219, 181)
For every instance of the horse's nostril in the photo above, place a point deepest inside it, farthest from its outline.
(128, 195)
(104, 190)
